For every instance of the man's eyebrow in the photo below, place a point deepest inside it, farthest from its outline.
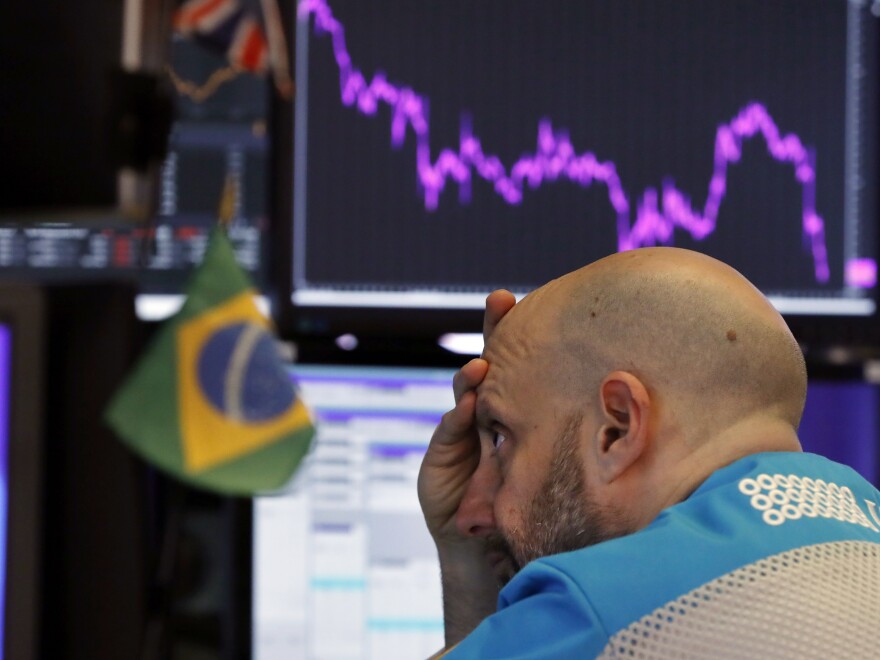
(483, 411)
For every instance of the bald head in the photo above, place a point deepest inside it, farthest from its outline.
(704, 341)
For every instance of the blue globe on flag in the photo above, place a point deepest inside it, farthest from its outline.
(240, 373)
(211, 401)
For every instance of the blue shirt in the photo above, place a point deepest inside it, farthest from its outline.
(762, 525)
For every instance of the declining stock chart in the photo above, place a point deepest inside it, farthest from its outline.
(444, 149)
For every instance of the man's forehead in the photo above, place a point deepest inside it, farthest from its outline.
(504, 352)
(529, 325)
(485, 410)
(515, 355)
(509, 341)
(499, 396)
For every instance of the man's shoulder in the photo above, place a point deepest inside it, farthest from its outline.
(757, 507)
(758, 521)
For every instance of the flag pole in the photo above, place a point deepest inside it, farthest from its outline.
(229, 201)
(278, 55)
(155, 639)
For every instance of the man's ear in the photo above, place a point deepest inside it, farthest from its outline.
(623, 433)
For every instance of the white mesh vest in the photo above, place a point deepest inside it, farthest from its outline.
(819, 601)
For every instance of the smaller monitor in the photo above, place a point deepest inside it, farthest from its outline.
(343, 565)
(21, 390)
(5, 378)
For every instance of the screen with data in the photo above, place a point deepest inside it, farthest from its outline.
(443, 149)
(343, 565)
(219, 141)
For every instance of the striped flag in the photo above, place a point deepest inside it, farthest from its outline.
(233, 26)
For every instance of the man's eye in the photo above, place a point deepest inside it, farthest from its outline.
(497, 439)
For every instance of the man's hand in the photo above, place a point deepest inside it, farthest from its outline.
(470, 590)
(498, 303)
(452, 456)
(454, 451)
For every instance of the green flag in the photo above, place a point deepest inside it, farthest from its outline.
(210, 401)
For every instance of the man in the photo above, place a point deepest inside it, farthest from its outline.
(621, 476)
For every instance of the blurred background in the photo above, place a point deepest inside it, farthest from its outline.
(381, 167)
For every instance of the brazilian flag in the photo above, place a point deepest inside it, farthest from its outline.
(210, 401)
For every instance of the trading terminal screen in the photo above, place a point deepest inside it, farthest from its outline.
(445, 149)
(343, 564)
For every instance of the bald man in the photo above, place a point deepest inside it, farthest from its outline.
(621, 476)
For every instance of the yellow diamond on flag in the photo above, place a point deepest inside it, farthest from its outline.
(229, 404)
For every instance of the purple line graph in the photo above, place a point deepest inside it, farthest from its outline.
(644, 220)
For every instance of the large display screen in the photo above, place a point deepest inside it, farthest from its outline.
(444, 149)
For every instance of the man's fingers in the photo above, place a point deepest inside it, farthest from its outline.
(457, 423)
(468, 377)
(498, 304)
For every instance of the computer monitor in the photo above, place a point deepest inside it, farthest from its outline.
(21, 425)
(343, 565)
(441, 150)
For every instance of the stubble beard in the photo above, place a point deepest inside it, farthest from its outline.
(562, 517)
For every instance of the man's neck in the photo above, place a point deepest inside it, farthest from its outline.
(677, 474)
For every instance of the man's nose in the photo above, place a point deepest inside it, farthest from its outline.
(476, 513)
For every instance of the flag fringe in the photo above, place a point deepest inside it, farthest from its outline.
(201, 93)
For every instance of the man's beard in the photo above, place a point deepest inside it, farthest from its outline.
(562, 517)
